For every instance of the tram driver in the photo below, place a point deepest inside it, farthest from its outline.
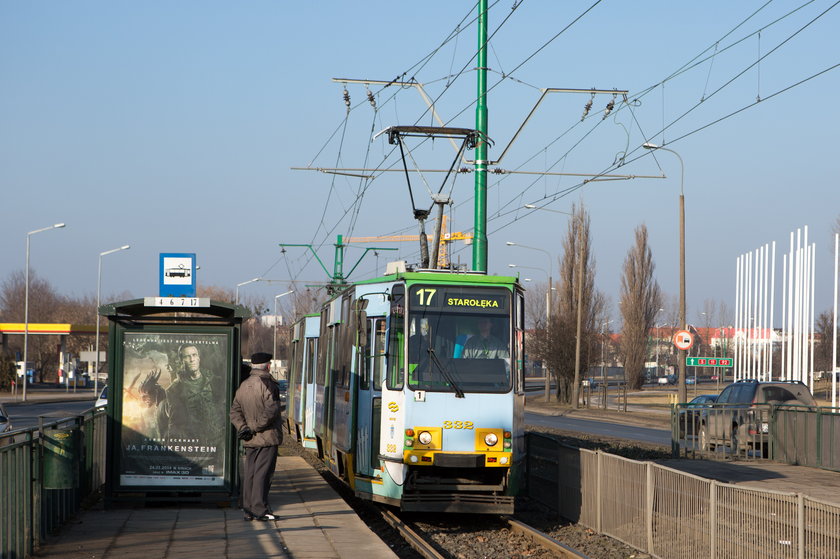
(485, 345)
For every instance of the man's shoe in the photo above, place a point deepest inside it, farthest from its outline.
(248, 517)
(266, 517)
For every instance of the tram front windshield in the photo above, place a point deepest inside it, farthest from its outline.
(459, 339)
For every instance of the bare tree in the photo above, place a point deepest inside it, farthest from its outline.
(724, 314)
(535, 306)
(44, 306)
(306, 301)
(823, 351)
(556, 346)
(216, 293)
(640, 301)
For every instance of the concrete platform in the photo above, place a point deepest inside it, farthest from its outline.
(314, 523)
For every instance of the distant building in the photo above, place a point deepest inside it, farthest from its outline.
(271, 320)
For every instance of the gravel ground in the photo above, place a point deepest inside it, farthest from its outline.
(482, 537)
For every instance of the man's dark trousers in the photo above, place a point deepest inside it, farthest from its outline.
(259, 467)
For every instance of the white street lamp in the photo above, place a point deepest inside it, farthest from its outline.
(238, 285)
(26, 304)
(274, 349)
(681, 383)
(98, 289)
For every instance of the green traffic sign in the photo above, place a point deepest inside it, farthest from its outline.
(708, 361)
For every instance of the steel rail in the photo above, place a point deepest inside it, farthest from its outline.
(420, 544)
(544, 539)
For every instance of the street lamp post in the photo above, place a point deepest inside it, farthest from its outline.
(681, 391)
(548, 297)
(26, 304)
(604, 363)
(98, 289)
(238, 285)
(656, 338)
(274, 348)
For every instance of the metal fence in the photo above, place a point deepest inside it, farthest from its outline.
(45, 474)
(672, 514)
(802, 435)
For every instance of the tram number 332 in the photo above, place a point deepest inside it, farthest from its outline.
(457, 424)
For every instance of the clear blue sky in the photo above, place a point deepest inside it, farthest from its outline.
(173, 126)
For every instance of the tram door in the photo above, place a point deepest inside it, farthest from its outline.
(371, 365)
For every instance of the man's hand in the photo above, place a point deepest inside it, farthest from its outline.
(245, 434)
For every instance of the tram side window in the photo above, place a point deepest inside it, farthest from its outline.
(396, 339)
(344, 337)
(311, 361)
(519, 344)
(363, 360)
(323, 356)
(297, 370)
(378, 354)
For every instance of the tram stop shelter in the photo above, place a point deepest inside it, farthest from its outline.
(174, 366)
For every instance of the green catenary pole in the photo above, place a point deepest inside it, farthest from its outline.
(480, 240)
(338, 265)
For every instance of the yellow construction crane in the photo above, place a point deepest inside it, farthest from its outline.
(445, 239)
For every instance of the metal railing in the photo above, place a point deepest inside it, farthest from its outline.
(46, 472)
(672, 514)
(796, 434)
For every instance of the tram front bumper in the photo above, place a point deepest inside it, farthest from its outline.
(444, 459)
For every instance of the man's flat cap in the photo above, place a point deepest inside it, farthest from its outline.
(261, 357)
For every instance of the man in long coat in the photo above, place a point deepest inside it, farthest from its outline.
(255, 414)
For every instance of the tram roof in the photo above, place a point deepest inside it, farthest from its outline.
(449, 277)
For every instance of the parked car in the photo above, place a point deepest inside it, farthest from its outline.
(740, 418)
(5, 420)
(102, 401)
(667, 379)
(689, 415)
(283, 385)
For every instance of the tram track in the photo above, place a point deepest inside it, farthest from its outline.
(420, 544)
(429, 547)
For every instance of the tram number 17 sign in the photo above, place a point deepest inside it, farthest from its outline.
(708, 361)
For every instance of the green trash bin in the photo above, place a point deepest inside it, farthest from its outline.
(62, 455)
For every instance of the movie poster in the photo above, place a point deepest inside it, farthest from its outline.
(174, 412)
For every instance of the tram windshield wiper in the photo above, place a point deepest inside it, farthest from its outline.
(446, 374)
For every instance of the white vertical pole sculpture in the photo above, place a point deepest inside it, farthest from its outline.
(772, 307)
(797, 306)
(737, 353)
(813, 270)
(759, 305)
(783, 357)
(834, 338)
(789, 336)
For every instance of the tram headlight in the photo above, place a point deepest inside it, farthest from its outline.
(490, 439)
(424, 437)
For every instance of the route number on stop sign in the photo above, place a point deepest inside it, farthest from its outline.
(708, 361)
(683, 339)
